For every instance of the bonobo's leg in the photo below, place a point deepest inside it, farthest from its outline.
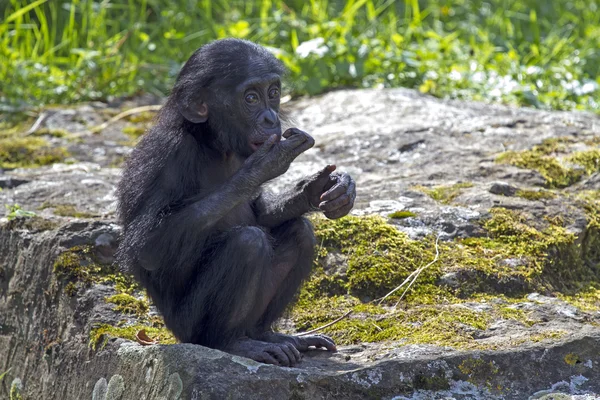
(215, 305)
(294, 243)
(226, 298)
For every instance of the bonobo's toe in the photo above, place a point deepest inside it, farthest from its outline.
(300, 343)
(319, 341)
(282, 354)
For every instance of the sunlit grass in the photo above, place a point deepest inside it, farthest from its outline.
(543, 54)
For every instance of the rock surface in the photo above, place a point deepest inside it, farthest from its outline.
(437, 160)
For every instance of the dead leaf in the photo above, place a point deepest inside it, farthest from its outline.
(143, 338)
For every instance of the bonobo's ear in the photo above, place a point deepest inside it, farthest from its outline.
(194, 110)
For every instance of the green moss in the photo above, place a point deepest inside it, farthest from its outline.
(15, 124)
(544, 159)
(127, 304)
(101, 333)
(445, 194)
(516, 257)
(80, 266)
(589, 160)
(146, 116)
(15, 393)
(71, 289)
(69, 210)
(420, 324)
(58, 133)
(402, 214)
(507, 312)
(28, 152)
(34, 224)
(572, 359)
(535, 195)
(513, 259)
(587, 299)
(478, 371)
(134, 131)
(547, 335)
(379, 257)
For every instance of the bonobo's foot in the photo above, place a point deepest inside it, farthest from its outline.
(301, 343)
(282, 354)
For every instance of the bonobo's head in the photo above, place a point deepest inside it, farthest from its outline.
(232, 87)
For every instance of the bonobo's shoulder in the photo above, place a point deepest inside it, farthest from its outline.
(158, 143)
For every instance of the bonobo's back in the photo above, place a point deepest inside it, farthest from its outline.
(140, 193)
(142, 169)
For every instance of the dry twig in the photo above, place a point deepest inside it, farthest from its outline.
(410, 279)
(326, 325)
(124, 114)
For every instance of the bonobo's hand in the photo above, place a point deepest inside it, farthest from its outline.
(332, 193)
(274, 157)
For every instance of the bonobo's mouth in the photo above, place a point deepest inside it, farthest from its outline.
(256, 145)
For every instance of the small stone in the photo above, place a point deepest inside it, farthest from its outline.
(503, 189)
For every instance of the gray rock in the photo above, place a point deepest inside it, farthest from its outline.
(393, 142)
(503, 189)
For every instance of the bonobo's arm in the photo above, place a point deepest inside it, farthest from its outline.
(331, 193)
(192, 219)
(273, 210)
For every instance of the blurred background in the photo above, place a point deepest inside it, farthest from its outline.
(544, 54)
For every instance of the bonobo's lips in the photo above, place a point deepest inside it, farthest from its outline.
(262, 138)
(256, 145)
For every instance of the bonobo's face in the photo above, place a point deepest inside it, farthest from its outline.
(258, 98)
(229, 89)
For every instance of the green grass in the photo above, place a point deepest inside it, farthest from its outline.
(543, 54)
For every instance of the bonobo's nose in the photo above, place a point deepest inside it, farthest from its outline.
(269, 118)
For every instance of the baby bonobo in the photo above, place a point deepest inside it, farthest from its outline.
(220, 257)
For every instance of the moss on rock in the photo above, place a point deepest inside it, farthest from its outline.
(128, 304)
(69, 210)
(19, 152)
(535, 195)
(513, 259)
(402, 214)
(80, 266)
(552, 160)
(100, 334)
(445, 194)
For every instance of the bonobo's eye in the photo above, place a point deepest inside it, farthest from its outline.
(251, 98)
(273, 93)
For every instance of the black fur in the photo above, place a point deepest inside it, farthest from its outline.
(220, 258)
(198, 272)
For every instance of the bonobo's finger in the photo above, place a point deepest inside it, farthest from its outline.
(333, 180)
(334, 212)
(302, 148)
(295, 351)
(267, 145)
(288, 145)
(334, 192)
(336, 203)
(339, 213)
(323, 176)
(298, 140)
(278, 353)
(292, 131)
(266, 358)
(341, 187)
(289, 353)
(329, 343)
(320, 341)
